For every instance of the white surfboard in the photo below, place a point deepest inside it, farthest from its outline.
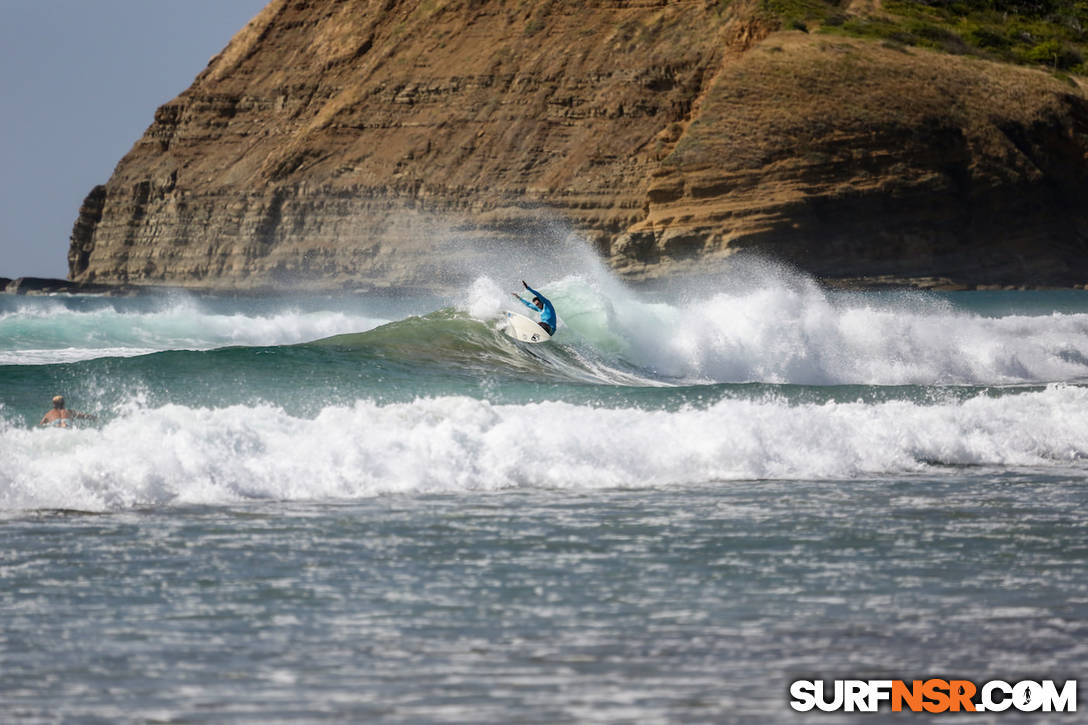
(522, 328)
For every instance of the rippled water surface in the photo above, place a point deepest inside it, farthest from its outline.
(697, 604)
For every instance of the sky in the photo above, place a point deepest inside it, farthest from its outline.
(79, 83)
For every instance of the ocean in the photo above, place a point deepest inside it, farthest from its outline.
(378, 508)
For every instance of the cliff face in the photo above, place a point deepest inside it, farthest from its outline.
(392, 143)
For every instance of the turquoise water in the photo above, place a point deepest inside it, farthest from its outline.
(359, 508)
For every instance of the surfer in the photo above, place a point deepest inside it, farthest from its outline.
(60, 416)
(539, 304)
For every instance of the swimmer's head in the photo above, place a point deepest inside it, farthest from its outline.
(58, 401)
(538, 303)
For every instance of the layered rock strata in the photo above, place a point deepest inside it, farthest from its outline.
(358, 143)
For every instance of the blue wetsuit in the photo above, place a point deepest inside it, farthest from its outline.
(547, 315)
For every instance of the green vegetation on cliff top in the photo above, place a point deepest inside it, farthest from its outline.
(1051, 33)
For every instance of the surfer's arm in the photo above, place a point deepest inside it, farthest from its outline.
(530, 305)
(545, 300)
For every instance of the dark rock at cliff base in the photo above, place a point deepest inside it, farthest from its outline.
(397, 144)
(38, 285)
(49, 285)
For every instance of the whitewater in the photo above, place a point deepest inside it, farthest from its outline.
(693, 494)
(775, 378)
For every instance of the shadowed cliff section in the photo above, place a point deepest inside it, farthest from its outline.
(397, 143)
(858, 161)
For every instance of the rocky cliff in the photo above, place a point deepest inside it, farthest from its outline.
(360, 143)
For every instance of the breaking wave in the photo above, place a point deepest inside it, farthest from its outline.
(182, 455)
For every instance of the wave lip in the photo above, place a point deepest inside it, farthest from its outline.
(181, 455)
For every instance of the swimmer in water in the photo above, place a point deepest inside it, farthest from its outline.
(61, 417)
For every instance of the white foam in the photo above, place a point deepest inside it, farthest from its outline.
(176, 454)
(49, 356)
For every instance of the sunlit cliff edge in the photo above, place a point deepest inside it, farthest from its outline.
(364, 144)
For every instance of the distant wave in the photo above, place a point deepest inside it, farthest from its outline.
(44, 331)
(181, 455)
